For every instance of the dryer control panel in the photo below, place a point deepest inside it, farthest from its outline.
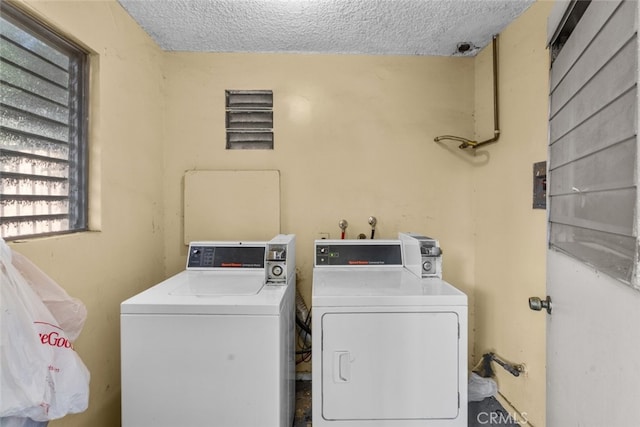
(355, 253)
(423, 255)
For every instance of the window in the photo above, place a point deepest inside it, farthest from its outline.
(43, 115)
(593, 184)
(249, 119)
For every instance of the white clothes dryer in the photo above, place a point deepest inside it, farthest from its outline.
(214, 344)
(389, 348)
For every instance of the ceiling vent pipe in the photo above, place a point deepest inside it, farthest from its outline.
(468, 143)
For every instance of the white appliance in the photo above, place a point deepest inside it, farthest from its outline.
(389, 347)
(214, 344)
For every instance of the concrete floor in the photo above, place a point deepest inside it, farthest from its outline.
(303, 404)
(490, 412)
(487, 412)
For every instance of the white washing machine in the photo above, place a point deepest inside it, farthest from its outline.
(389, 347)
(214, 344)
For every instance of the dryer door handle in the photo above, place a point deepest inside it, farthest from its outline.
(341, 367)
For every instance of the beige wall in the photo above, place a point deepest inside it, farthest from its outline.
(353, 138)
(510, 245)
(124, 254)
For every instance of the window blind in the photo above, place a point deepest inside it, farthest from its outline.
(42, 110)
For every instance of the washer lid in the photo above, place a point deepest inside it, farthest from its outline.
(201, 283)
(373, 286)
(209, 292)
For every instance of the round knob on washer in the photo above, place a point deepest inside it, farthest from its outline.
(276, 270)
(427, 265)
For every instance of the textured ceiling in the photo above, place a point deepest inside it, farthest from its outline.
(375, 27)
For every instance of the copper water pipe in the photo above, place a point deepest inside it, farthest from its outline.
(466, 143)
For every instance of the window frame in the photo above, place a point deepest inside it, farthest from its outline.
(78, 114)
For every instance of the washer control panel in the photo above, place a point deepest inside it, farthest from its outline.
(276, 262)
(205, 255)
(280, 259)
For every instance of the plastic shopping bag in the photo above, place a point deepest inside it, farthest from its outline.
(42, 377)
(70, 313)
(481, 388)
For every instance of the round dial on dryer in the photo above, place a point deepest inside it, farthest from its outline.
(427, 265)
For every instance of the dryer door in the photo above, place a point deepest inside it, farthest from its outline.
(390, 366)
